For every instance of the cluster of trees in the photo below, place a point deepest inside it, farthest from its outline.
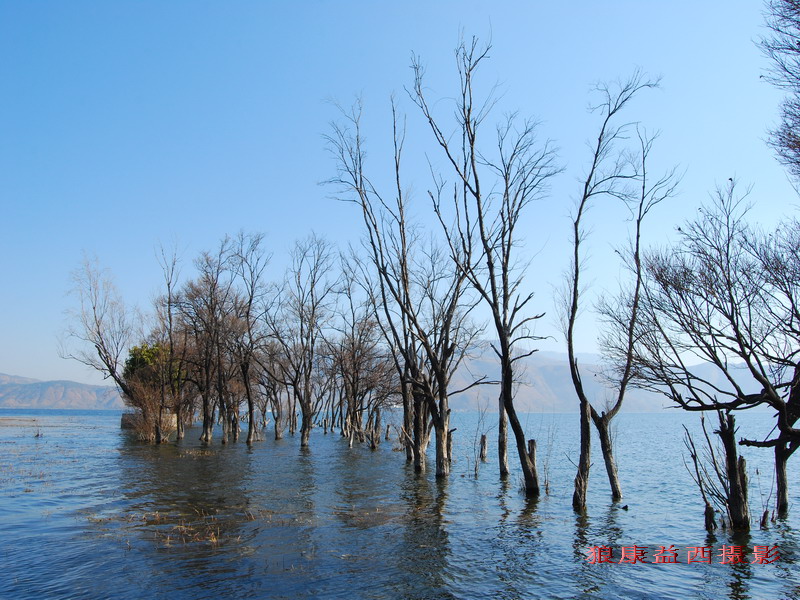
(228, 343)
(344, 336)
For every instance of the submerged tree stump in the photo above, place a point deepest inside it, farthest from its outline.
(532, 452)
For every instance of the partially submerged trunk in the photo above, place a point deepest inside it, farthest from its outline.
(252, 426)
(421, 432)
(736, 472)
(179, 425)
(208, 419)
(502, 438)
(442, 432)
(602, 424)
(408, 423)
(529, 474)
(782, 453)
(584, 460)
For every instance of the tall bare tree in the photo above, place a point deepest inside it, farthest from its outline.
(782, 47)
(101, 328)
(299, 312)
(420, 300)
(615, 172)
(204, 307)
(714, 299)
(249, 260)
(487, 199)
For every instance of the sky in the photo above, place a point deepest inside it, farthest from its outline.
(125, 125)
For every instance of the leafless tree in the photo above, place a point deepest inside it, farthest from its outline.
(782, 47)
(716, 324)
(101, 328)
(298, 313)
(204, 307)
(360, 363)
(615, 172)
(487, 199)
(715, 480)
(420, 297)
(175, 394)
(249, 260)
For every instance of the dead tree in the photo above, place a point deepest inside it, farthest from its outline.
(101, 330)
(249, 260)
(615, 172)
(203, 307)
(781, 48)
(479, 215)
(419, 297)
(298, 313)
(724, 484)
(711, 299)
(359, 362)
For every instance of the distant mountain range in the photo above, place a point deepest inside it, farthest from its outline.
(547, 387)
(21, 392)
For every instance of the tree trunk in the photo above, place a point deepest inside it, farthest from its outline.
(484, 451)
(223, 417)
(607, 447)
(408, 423)
(208, 420)
(305, 433)
(781, 458)
(252, 427)
(277, 414)
(420, 433)
(736, 469)
(532, 452)
(502, 439)
(305, 426)
(159, 417)
(529, 473)
(584, 460)
(235, 429)
(179, 429)
(442, 461)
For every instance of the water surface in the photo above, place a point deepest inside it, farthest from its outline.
(88, 512)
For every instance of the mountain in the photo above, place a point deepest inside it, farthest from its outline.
(22, 392)
(546, 387)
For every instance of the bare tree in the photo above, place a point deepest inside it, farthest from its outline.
(782, 47)
(360, 363)
(618, 173)
(419, 300)
(715, 480)
(295, 320)
(778, 256)
(489, 195)
(712, 300)
(101, 329)
(249, 260)
(172, 338)
(204, 306)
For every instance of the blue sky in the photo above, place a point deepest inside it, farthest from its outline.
(127, 124)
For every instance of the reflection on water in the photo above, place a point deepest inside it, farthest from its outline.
(90, 513)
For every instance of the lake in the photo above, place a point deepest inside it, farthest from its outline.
(88, 512)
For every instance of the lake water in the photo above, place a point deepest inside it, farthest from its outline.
(87, 512)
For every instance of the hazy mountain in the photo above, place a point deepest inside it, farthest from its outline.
(21, 392)
(548, 385)
(547, 388)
